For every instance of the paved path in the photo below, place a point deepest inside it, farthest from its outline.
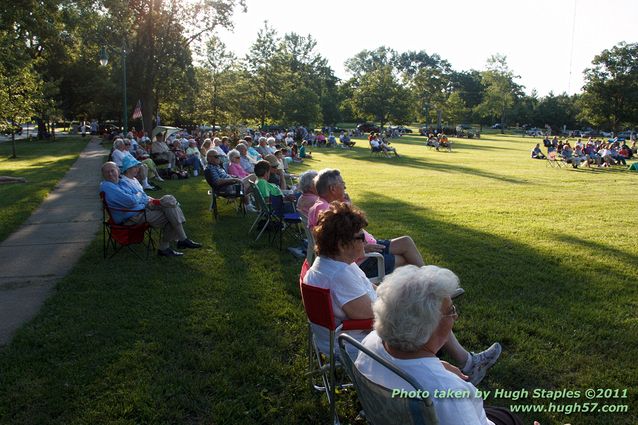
(48, 245)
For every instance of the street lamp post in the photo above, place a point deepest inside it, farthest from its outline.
(104, 60)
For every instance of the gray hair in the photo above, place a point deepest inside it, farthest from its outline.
(241, 146)
(408, 305)
(306, 180)
(326, 178)
(234, 153)
(117, 143)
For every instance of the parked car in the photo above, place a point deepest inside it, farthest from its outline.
(401, 129)
(498, 126)
(466, 130)
(534, 132)
(626, 135)
(368, 127)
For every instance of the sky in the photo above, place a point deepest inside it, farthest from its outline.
(548, 43)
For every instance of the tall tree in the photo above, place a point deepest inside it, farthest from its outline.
(159, 35)
(263, 64)
(380, 97)
(500, 89)
(610, 97)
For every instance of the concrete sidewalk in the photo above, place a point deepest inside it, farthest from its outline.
(51, 241)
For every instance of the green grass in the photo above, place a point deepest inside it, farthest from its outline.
(43, 164)
(547, 258)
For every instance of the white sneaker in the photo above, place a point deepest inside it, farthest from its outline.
(159, 179)
(195, 173)
(481, 362)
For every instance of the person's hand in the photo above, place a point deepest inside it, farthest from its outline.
(455, 370)
(373, 247)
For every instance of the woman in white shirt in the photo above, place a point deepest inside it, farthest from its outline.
(414, 315)
(339, 241)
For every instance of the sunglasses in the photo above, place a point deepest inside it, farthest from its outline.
(360, 237)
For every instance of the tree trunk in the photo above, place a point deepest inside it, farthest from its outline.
(13, 145)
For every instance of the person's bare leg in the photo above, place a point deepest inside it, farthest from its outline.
(455, 350)
(406, 252)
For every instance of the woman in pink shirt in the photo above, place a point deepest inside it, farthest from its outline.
(234, 167)
(308, 192)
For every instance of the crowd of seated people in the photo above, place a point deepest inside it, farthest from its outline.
(379, 144)
(592, 152)
(341, 243)
(438, 141)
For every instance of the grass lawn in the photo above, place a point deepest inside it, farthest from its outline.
(547, 257)
(43, 164)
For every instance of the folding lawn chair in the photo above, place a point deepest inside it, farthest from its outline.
(318, 306)
(379, 405)
(283, 221)
(117, 236)
(231, 198)
(553, 160)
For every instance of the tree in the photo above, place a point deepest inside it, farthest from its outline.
(428, 78)
(610, 95)
(500, 89)
(380, 97)
(159, 35)
(218, 66)
(263, 64)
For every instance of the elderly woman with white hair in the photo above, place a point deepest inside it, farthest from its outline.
(414, 314)
(308, 192)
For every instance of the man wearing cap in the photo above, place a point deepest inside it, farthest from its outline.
(219, 180)
(277, 175)
(164, 213)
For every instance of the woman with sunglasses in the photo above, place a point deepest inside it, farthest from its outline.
(339, 241)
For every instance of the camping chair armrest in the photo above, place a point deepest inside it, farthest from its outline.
(380, 263)
(356, 324)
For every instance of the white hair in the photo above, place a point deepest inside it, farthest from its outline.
(408, 307)
(306, 180)
(117, 143)
(234, 153)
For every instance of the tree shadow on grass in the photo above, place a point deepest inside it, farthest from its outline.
(541, 308)
(364, 155)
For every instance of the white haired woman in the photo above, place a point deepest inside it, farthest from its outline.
(414, 314)
(308, 192)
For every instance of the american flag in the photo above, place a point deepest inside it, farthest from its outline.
(137, 113)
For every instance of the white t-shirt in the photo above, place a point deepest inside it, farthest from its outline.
(430, 373)
(346, 283)
(118, 156)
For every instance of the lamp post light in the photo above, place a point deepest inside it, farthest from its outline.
(104, 60)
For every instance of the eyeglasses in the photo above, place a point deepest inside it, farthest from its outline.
(360, 237)
(454, 312)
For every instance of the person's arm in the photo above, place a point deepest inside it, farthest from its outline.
(359, 308)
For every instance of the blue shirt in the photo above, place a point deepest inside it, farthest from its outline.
(122, 195)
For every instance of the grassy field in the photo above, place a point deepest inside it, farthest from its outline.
(43, 164)
(547, 257)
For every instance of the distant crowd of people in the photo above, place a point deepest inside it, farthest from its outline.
(592, 152)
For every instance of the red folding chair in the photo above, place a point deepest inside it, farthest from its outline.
(318, 305)
(117, 236)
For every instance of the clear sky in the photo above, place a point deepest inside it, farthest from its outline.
(536, 35)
